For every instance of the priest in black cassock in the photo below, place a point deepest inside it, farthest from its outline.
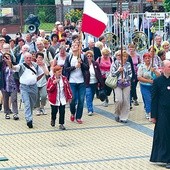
(160, 115)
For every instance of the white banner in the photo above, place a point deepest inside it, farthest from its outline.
(151, 15)
(65, 2)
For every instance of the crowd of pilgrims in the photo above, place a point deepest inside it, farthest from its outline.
(74, 73)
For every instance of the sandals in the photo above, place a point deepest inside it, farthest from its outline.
(15, 117)
(7, 116)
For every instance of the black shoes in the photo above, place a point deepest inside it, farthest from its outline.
(123, 121)
(135, 102)
(61, 127)
(52, 123)
(29, 124)
(168, 166)
(16, 117)
(117, 118)
(120, 121)
(0, 106)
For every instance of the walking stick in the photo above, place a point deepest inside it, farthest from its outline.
(121, 33)
(20, 103)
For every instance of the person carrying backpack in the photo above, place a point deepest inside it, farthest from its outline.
(76, 69)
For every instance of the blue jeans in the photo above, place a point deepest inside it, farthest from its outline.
(78, 91)
(146, 95)
(29, 96)
(90, 92)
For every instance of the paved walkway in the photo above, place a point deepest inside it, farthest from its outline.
(99, 143)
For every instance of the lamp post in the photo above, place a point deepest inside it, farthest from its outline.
(21, 14)
(62, 11)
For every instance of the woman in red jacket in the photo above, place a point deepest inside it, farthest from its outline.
(59, 93)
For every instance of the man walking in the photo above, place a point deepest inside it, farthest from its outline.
(29, 72)
(160, 115)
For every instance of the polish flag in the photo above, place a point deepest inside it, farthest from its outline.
(94, 20)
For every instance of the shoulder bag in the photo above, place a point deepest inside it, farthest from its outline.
(111, 81)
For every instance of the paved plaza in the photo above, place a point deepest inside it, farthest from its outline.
(99, 143)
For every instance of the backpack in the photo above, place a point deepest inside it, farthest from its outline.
(71, 56)
(109, 57)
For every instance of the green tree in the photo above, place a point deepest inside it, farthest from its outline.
(74, 15)
(166, 4)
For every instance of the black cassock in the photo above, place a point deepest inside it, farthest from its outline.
(160, 109)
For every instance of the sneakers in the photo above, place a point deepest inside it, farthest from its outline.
(15, 117)
(42, 111)
(61, 127)
(147, 115)
(90, 114)
(38, 112)
(135, 102)
(105, 103)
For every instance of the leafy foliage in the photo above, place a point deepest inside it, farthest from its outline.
(44, 14)
(166, 4)
(74, 15)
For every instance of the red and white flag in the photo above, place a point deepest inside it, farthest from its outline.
(94, 20)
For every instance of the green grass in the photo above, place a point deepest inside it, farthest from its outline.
(48, 27)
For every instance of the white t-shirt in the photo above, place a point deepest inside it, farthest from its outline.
(76, 76)
(60, 99)
(28, 77)
(93, 79)
(42, 82)
(167, 55)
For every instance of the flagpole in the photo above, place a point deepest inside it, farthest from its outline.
(153, 49)
(121, 30)
(80, 45)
